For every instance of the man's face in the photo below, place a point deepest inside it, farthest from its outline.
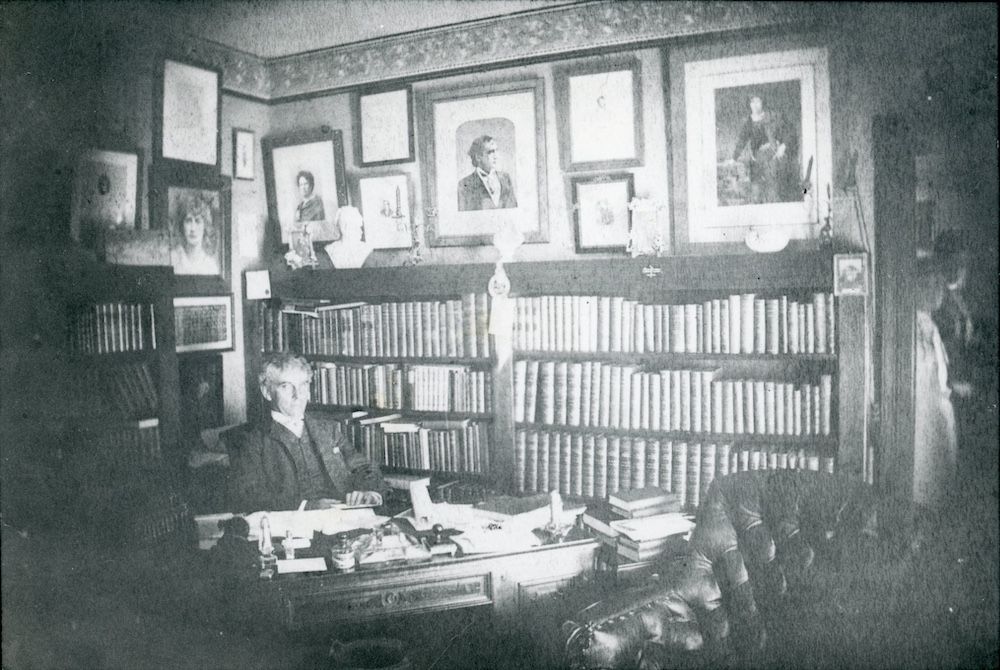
(305, 188)
(488, 158)
(287, 392)
(756, 105)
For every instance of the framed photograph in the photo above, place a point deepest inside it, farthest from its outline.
(383, 127)
(601, 211)
(599, 107)
(306, 185)
(385, 206)
(483, 155)
(243, 154)
(195, 210)
(188, 113)
(203, 323)
(106, 187)
(751, 141)
(850, 274)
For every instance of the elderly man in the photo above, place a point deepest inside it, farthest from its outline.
(487, 187)
(293, 456)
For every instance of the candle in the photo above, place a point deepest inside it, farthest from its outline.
(555, 507)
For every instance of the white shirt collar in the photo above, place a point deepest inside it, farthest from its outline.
(296, 426)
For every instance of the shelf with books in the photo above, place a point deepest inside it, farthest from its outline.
(122, 402)
(406, 349)
(819, 443)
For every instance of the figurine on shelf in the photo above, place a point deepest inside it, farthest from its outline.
(351, 250)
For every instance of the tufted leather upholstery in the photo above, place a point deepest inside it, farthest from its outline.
(757, 536)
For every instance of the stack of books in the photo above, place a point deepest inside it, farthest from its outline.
(645, 501)
(640, 524)
(648, 537)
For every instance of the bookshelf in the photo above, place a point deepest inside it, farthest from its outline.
(673, 395)
(121, 402)
(401, 357)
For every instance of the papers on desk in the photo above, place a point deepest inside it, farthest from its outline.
(304, 523)
(301, 565)
(654, 527)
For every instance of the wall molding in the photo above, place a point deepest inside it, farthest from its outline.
(486, 44)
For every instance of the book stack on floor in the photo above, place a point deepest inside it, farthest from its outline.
(640, 524)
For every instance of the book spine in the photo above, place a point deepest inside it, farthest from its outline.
(653, 463)
(601, 466)
(625, 464)
(531, 462)
(638, 476)
(555, 462)
(520, 455)
(565, 464)
(819, 312)
(678, 476)
(576, 462)
(693, 476)
(614, 464)
(588, 466)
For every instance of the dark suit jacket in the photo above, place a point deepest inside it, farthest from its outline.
(472, 193)
(262, 473)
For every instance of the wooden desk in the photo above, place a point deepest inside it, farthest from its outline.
(507, 582)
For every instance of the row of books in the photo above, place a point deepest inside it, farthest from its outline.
(441, 388)
(596, 394)
(112, 327)
(455, 328)
(737, 324)
(125, 390)
(594, 466)
(127, 446)
(441, 445)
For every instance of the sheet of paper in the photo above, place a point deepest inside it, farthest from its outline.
(301, 565)
(304, 523)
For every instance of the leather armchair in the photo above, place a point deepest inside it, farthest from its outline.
(757, 537)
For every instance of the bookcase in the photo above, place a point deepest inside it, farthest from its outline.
(618, 373)
(121, 403)
(402, 357)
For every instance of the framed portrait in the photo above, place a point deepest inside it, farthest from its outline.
(106, 187)
(203, 323)
(383, 127)
(483, 154)
(601, 211)
(195, 210)
(243, 154)
(385, 206)
(751, 141)
(188, 113)
(599, 107)
(306, 185)
(850, 274)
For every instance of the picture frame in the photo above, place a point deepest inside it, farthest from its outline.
(195, 211)
(383, 126)
(204, 323)
(601, 211)
(460, 208)
(107, 186)
(751, 141)
(599, 107)
(301, 212)
(386, 204)
(850, 274)
(187, 105)
(244, 154)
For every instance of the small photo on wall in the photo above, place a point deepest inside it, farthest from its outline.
(850, 274)
(385, 205)
(105, 194)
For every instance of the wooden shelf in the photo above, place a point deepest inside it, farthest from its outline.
(815, 441)
(406, 360)
(414, 414)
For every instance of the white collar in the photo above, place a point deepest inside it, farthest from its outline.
(296, 426)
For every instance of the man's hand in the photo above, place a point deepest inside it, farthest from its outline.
(364, 498)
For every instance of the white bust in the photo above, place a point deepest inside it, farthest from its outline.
(349, 251)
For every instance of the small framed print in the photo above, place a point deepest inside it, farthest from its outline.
(105, 195)
(203, 323)
(385, 205)
(601, 211)
(243, 154)
(600, 115)
(383, 133)
(850, 274)
(306, 185)
(188, 113)
(195, 210)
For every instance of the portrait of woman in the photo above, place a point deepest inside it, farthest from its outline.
(194, 232)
